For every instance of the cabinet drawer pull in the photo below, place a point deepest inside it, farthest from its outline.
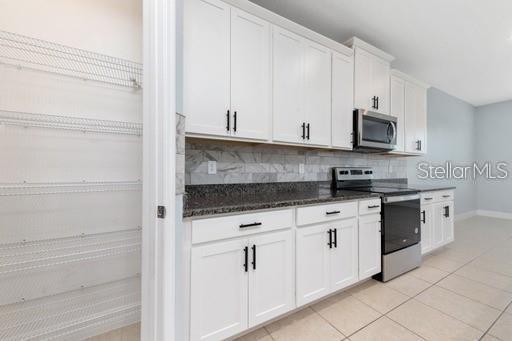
(446, 196)
(447, 211)
(308, 129)
(335, 238)
(303, 130)
(428, 198)
(330, 239)
(332, 212)
(234, 121)
(243, 226)
(373, 206)
(228, 128)
(424, 218)
(246, 259)
(254, 257)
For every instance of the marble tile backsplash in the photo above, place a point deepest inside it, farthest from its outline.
(252, 163)
(180, 154)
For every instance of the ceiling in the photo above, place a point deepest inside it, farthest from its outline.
(463, 47)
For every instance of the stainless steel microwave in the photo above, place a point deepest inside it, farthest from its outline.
(374, 131)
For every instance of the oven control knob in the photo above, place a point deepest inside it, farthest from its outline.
(368, 172)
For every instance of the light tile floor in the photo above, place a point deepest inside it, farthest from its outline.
(461, 292)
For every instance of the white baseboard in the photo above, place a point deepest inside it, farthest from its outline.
(494, 214)
(465, 215)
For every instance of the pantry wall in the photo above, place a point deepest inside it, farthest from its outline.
(71, 167)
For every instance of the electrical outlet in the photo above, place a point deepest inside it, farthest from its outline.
(301, 168)
(212, 167)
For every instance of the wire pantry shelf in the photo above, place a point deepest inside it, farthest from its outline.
(8, 190)
(36, 54)
(23, 119)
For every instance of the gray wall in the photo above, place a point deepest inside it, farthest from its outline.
(246, 163)
(451, 137)
(494, 136)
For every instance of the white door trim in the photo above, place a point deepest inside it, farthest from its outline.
(159, 96)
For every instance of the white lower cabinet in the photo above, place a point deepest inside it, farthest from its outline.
(427, 223)
(327, 259)
(344, 256)
(437, 228)
(312, 263)
(219, 287)
(240, 283)
(271, 276)
(369, 245)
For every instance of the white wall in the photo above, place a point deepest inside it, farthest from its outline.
(112, 27)
(70, 262)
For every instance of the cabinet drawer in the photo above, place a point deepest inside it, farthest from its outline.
(432, 197)
(322, 213)
(444, 195)
(369, 206)
(428, 198)
(209, 229)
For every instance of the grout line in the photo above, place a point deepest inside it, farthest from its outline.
(328, 322)
(492, 324)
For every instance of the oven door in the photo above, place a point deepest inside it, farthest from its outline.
(374, 130)
(401, 222)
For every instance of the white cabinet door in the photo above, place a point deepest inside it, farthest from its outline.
(271, 276)
(206, 66)
(344, 256)
(250, 76)
(363, 79)
(415, 118)
(380, 81)
(312, 263)
(437, 229)
(317, 90)
(287, 85)
(219, 301)
(448, 233)
(369, 246)
(398, 110)
(427, 223)
(421, 118)
(342, 100)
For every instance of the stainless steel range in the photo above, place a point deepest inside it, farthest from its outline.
(401, 224)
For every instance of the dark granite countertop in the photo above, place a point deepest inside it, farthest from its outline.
(205, 200)
(431, 188)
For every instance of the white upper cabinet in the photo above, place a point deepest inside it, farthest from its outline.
(288, 113)
(397, 96)
(415, 118)
(250, 76)
(206, 66)
(342, 100)
(317, 94)
(371, 77)
(409, 105)
(301, 90)
(226, 71)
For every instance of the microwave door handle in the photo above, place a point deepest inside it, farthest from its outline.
(394, 131)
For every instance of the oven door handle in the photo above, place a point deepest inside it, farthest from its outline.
(399, 198)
